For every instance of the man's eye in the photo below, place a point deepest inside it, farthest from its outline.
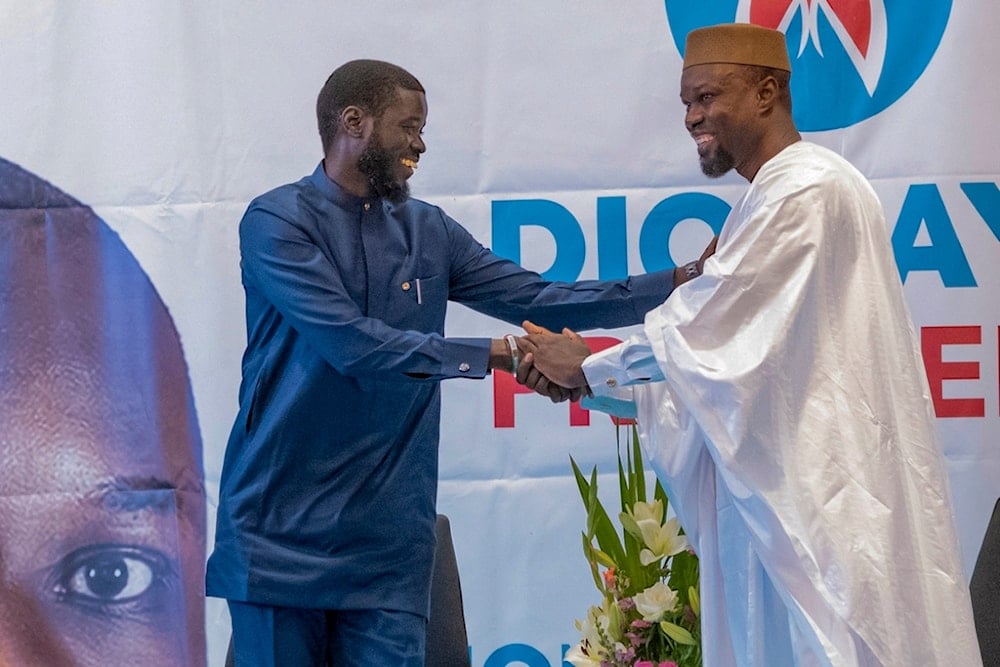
(108, 574)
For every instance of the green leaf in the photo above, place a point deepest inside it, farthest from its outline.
(629, 524)
(694, 600)
(584, 487)
(640, 474)
(624, 491)
(677, 633)
(660, 494)
(683, 572)
(588, 553)
(599, 525)
(594, 507)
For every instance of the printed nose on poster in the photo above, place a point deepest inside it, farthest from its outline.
(25, 637)
(510, 217)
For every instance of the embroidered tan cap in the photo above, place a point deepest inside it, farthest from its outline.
(737, 44)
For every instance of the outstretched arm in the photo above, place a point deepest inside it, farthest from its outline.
(550, 360)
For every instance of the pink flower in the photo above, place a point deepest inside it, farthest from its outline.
(623, 654)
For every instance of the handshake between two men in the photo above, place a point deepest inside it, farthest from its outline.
(551, 363)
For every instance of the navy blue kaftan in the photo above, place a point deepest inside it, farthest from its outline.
(329, 483)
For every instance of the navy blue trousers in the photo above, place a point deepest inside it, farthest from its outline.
(277, 636)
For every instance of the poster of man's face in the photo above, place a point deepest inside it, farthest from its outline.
(102, 507)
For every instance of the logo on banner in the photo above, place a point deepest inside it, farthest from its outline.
(850, 58)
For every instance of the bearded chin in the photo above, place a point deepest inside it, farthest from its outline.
(717, 165)
(376, 164)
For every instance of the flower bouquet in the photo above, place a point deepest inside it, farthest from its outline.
(648, 577)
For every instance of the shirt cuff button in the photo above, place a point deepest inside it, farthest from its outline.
(464, 367)
(612, 382)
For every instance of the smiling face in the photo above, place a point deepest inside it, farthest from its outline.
(721, 117)
(102, 511)
(395, 145)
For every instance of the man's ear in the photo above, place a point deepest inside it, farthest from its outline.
(767, 93)
(353, 119)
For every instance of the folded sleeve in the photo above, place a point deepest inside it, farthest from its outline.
(629, 363)
(613, 373)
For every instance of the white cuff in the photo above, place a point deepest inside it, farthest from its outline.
(605, 371)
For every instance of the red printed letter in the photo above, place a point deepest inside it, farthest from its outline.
(504, 389)
(932, 339)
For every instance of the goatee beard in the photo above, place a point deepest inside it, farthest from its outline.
(377, 164)
(718, 164)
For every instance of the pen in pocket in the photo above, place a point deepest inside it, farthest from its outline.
(420, 297)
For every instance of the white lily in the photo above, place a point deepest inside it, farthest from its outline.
(661, 540)
(591, 627)
(576, 657)
(642, 510)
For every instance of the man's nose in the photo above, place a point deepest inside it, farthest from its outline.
(692, 117)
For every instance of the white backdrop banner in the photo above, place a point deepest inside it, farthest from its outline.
(555, 135)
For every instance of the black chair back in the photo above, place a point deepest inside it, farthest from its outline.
(447, 641)
(985, 591)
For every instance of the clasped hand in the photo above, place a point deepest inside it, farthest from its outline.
(552, 363)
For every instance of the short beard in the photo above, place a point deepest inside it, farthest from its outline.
(721, 163)
(377, 165)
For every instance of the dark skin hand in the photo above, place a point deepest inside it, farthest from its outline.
(531, 377)
(553, 359)
(552, 363)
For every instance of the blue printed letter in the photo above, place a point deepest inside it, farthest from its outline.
(511, 653)
(985, 197)
(612, 249)
(510, 216)
(944, 255)
(654, 239)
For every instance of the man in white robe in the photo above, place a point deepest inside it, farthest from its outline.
(781, 399)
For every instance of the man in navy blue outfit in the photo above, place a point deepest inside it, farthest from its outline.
(325, 534)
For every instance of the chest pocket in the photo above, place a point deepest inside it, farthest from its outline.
(419, 303)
